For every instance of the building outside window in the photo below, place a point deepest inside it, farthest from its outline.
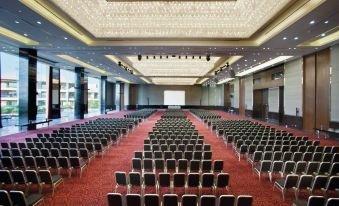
(93, 95)
(9, 88)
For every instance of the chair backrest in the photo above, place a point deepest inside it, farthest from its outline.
(305, 181)
(164, 179)
(114, 199)
(5, 177)
(244, 200)
(18, 198)
(5, 199)
(134, 178)
(207, 200)
(133, 200)
(170, 200)
(222, 180)
(45, 176)
(32, 177)
(332, 202)
(179, 180)
(18, 176)
(152, 200)
(226, 200)
(218, 165)
(189, 200)
(207, 180)
(75, 162)
(319, 182)
(193, 180)
(149, 179)
(291, 181)
(316, 201)
(333, 183)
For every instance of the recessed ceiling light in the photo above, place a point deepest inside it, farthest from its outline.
(245, 60)
(65, 38)
(296, 38)
(17, 22)
(323, 34)
(312, 22)
(268, 48)
(38, 22)
(294, 48)
(25, 34)
(289, 48)
(316, 48)
(254, 60)
(245, 65)
(284, 38)
(326, 22)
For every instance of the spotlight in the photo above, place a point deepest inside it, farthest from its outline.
(227, 64)
(173, 55)
(119, 63)
(166, 57)
(146, 57)
(179, 57)
(139, 57)
(153, 57)
(192, 57)
(208, 58)
(160, 57)
(199, 57)
(185, 57)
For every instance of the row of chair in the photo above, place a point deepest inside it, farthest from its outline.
(301, 167)
(307, 182)
(116, 199)
(205, 114)
(182, 165)
(143, 114)
(295, 157)
(28, 178)
(317, 201)
(189, 155)
(15, 197)
(40, 162)
(180, 180)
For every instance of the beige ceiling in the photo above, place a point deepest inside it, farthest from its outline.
(162, 70)
(172, 19)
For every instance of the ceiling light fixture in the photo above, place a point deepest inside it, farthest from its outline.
(296, 38)
(38, 22)
(17, 22)
(323, 34)
(65, 38)
(326, 22)
(312, 22)
(263, 65)
(284, 38)
(122, 79)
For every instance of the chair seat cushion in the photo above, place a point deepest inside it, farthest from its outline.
(33, 198)
(56, 178)
(300, 203)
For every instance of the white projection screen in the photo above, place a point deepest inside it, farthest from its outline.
(174, 97)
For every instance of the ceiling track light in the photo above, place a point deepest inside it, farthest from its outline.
(208, 57)
(139, 57)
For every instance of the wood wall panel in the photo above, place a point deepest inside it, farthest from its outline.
(323, 89)
(242, 96)
(309, 87)
(266, 80)
(227, 95)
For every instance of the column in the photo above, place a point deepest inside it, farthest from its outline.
(27, 86)
(117, 95)
(79, 94)
(54, 110)
(103, 94)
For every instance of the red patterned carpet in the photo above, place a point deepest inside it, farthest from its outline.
(98, 178)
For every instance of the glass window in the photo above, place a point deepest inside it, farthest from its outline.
(278, 75)
(42, 89)
(67, 79)
(93, 94)
(9, 88)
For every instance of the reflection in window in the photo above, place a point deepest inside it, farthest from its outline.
(67, 79)
(42, 89)
(9, 88)
(93, 94)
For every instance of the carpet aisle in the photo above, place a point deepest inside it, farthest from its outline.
(98, 178)
(242, 179)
